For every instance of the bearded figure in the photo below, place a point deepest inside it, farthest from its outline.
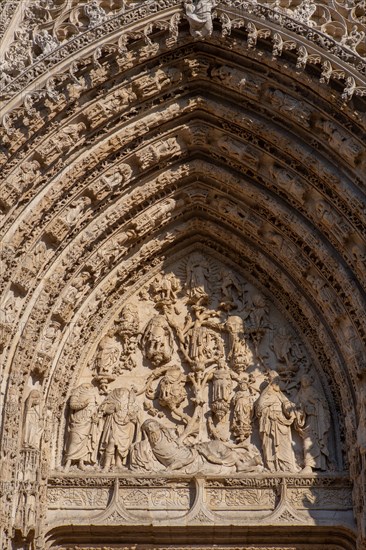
(157, 341)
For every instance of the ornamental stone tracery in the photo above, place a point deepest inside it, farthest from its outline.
(182, 330)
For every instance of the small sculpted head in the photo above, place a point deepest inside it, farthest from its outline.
(152, 429)
(274, 380)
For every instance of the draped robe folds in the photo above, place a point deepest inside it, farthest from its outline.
(108, 355)
(119, 426)
(199, 17)
(82, 430)
(275, 419)
(167, 451)
(32, 428)
(315, 429)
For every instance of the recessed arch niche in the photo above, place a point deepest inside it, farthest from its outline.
(182, 307)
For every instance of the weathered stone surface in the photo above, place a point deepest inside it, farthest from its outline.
(182, 329)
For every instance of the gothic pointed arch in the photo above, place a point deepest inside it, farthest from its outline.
(182, 328)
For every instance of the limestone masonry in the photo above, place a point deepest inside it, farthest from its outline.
(182, 275)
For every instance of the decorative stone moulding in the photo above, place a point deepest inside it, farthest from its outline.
(182, 328)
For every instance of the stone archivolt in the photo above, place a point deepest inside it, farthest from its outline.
(183, 247)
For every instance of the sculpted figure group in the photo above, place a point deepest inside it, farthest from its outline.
(115, 434)
(206, 384)
(103, 432)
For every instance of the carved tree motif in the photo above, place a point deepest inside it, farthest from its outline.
(203, 372)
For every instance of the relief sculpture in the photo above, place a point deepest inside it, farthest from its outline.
(81, 437)
(166, 448)
(314, 425)
(120, 419)
(199, 372)
(32, 425)
(276, 414)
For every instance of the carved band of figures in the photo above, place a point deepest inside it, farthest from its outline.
(205, 376)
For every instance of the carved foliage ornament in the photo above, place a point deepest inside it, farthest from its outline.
(324, 23)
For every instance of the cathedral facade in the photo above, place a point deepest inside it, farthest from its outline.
(182, 258)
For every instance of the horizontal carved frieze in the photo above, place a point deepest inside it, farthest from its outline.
(251, 493)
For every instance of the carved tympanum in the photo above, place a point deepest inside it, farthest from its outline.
(199, 372)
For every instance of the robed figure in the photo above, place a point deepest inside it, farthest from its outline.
(82, 431)
(313, 426)
(32, 422)
(121, 417)
(276, 414)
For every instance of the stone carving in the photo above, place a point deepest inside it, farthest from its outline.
(319, 497)
(160, 79)
(276, 415)
(29, 172)
(259, 312)
(361, 428)
(197, 278)
(63, 141)
(48, 337)
(353, 38)
(287, 352)
(345, 26)
(128, 329)
(32, 421)
(95, 13)
(108, 355)
(162, 444)
(33, 261)
(157, 340)
(8, 309)
(254, 34)
(313, 426)
(118, 177)
(78, 498)
(121, 417)
(243, 410)
(25, 519)
(164, 289)
(189, 391)
(243, 152)
(290, 107)
(199, 15)
(340, 140)
(200, 372)
(69, 300)
(232, 292)
(221, 390)
(117, 100)
(159, 151)
(45, 42)
(282, 343)
(288, 181)
(81, 438)
(229, 76)
(243, 498)
(74, 212)
(172, 391)
(239, 354)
